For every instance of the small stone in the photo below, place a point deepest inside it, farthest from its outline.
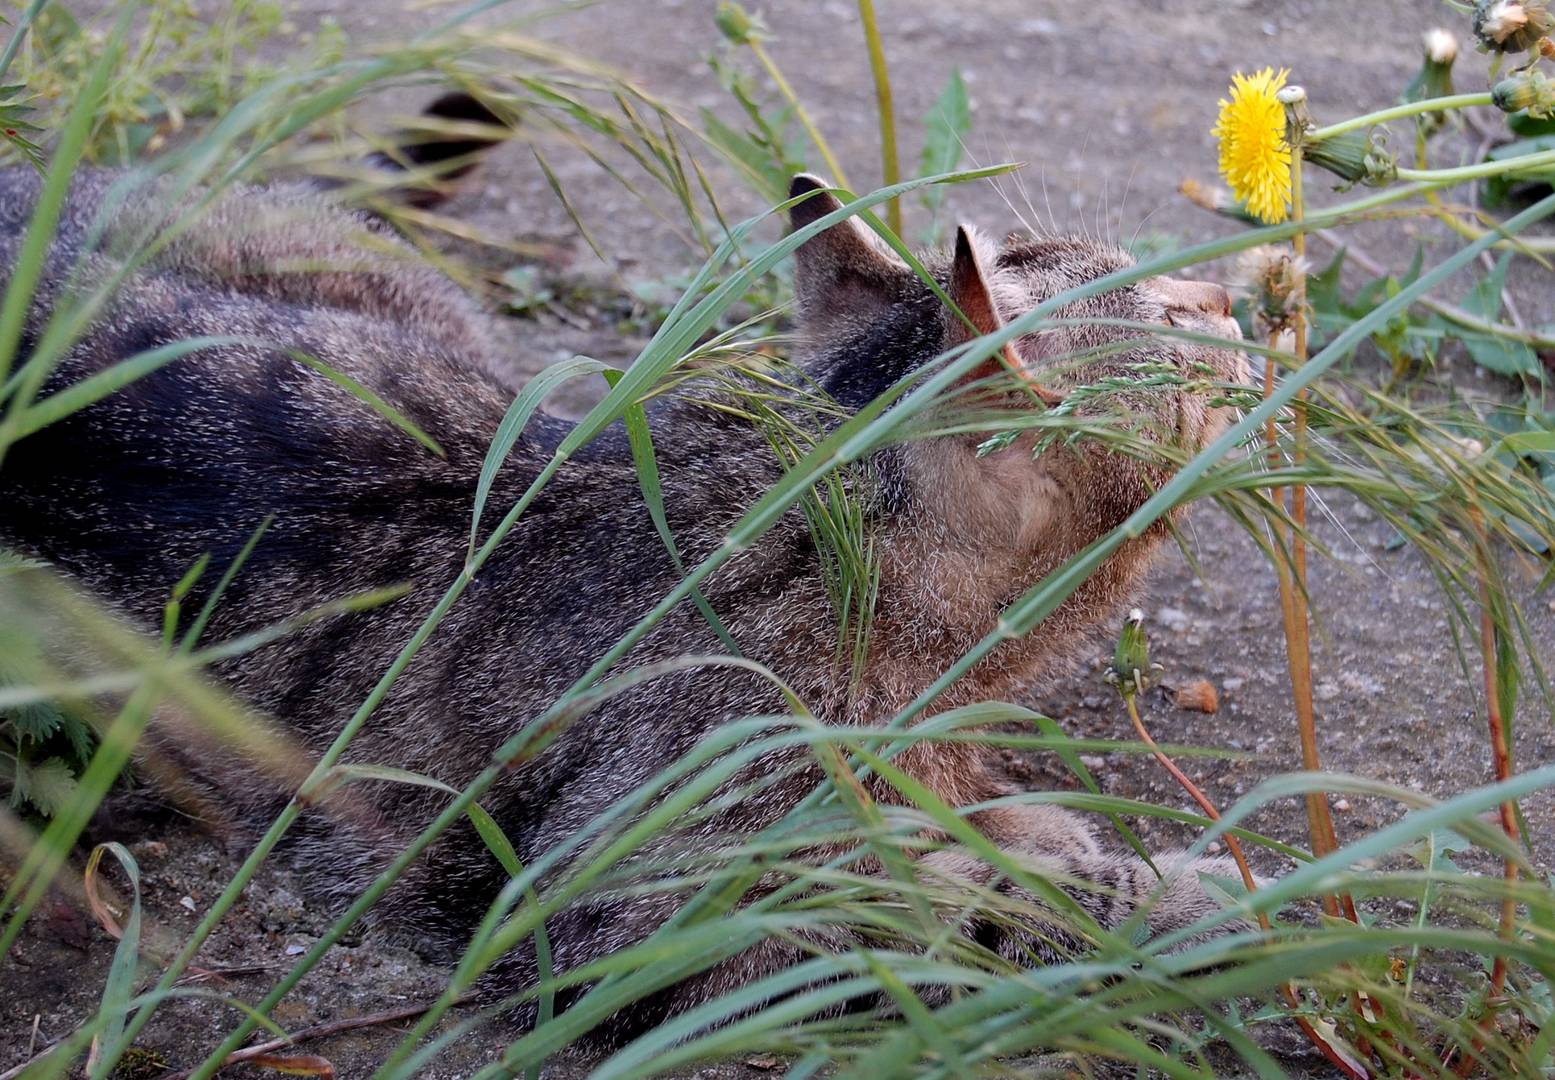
(764, 1064)
(1342, 805)
(187, 903)
(1326, 691)
(1198, 696)
(1233, 684)
(1174, 619)
(1092, 761)
(148, 849)
(1213, 847)
(295, 950)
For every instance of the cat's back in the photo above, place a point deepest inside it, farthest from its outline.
(269, 314)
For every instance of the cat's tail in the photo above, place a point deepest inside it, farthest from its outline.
(423, 161)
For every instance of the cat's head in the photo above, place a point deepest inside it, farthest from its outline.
(869, 320)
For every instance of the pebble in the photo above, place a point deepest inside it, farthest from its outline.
(295, 950)
(1092, 761)
(187, 903)
(1342, 805)
(1174, 619)
(148, 849)
(1213, 847)
(1198, 696)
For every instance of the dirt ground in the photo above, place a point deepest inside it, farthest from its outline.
(1112, 105)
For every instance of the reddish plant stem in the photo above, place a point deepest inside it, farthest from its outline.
(1234, 845)
(1294, 617)
(1502, 754)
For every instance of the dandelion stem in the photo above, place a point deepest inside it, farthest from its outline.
(1343, 1064)
(1399, 112)
(803, 116)
(1232, 843)
(1505, 167)
(1503, 765)
(1293, 573)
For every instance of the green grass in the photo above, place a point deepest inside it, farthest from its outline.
(1159, 1005)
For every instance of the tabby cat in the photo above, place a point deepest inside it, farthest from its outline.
(125, 495)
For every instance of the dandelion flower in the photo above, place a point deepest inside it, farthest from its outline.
(1254, 157)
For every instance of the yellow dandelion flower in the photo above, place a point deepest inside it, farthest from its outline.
(1254, 157)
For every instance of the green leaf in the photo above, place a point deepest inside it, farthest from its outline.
(640, 438)
(1323, 292)
(1530, 442)
(120, 986)
(48, 785)
(1493, 353)
(945, 129)
(11, 563)
(512, 426)
(378, 405)
(766, 175)
(1499, 188)
(490, 832)
(35, 722)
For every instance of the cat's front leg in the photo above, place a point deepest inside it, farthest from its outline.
(1111, 887)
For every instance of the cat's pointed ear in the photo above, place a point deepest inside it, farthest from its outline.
(979, 314)
(970, 292)
(840, 275)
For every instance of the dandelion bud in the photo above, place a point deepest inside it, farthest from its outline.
(1357, 157)
(1531, 90)
(739, 25)
(1511, 25)
(1434, 78)
(1131, 659)
(1440, 46)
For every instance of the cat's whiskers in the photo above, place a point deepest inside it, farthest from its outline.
(1020, 183)
(1261, 464)
(1134, 237)
(998, 187)
(1123, 206)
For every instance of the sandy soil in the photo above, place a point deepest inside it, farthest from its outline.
(1112, 104)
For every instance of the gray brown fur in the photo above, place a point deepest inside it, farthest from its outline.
(128, 493)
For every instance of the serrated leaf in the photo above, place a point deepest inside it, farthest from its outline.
(11, 562)
(35, 722)
(48, 785)
(946, 126)
(1323, 287)
(1489, 352)
(770, 180)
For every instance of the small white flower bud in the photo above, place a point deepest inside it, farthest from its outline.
(1440, 45)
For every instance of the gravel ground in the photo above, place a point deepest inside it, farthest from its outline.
(1112, 105)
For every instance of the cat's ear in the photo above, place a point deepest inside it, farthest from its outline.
(971, 293)
(839, 274)
(979, 314)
